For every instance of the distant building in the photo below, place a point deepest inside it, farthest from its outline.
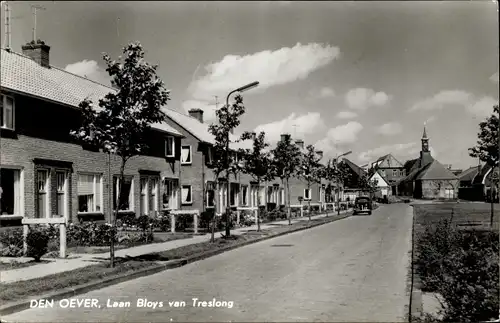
(427, 178)
(475, 184)
(392, 172)
(351, 184)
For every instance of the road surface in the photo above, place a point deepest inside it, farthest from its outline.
(353, 269)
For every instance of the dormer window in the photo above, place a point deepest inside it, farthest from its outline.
(169, 146)
(6, 112)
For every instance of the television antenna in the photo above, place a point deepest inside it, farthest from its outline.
(8, 18)
(295, 130)
(34, 9)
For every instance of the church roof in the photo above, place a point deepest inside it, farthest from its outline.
(434, 171)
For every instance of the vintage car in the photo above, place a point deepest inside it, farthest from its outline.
(363, 204)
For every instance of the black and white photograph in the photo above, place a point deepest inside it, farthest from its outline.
(249, 161)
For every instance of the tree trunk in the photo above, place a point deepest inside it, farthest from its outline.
(309, 202)
(214, 217)
(289, 208)
(113, 221)
(258, 205)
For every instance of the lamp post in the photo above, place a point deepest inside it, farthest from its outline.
(337, 181)
(228, 197)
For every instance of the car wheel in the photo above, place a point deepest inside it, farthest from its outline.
(370, 213)
(354, 213)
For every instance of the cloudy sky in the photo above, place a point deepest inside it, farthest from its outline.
(359, 76)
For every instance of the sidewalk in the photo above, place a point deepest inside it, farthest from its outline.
(83, 260)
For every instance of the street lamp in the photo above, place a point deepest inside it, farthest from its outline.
(337, 181)
(228, 197)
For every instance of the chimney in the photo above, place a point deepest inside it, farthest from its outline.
(300, 143)
(197, 114)
(39, 52)
(284, 136)
(320, 153)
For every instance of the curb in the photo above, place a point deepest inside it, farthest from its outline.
(416, 307)
(85, 288)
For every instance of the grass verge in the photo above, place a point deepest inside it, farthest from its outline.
(35, 287)
(16, 265)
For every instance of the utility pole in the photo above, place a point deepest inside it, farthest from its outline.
(34, 9)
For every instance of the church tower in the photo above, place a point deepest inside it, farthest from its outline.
(425, 153)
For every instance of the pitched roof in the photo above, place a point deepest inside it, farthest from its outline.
(19, 73)
(200, 130)
(358, 170)
(388, 161)
(469, 174)
(435, 171)
(381, 176)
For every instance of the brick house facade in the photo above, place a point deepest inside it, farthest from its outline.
(46, 173)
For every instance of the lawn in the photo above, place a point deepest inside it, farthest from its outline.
(16, 265)
(462, 214)
(39, 286)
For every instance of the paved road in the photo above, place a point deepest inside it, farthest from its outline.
(354, 269)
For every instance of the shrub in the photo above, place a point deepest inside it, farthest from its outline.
(206, 218)
(11, 241)
(162, 223)
(470, 287)
(433, 245)
(247, 218)
(37, 241)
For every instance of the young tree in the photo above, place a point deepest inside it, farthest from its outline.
(487, 149)
(223, 161)
(310, 170)
(123, 117)
(257, 163)
(286, 158)
(370, 186)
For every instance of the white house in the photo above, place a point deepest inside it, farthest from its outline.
(384, 187)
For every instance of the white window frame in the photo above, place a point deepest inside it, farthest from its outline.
(222, 196)
(149, 191)
(46, 191)
(173, 186)
(97, 181)
(191, 194)
(214, 189)
(20, 185)
(244, 195)
(167, 138)
(307, 190)
(63, 191)
(190, 161)
(130, 196)
(154, 190)
(263, 195)
(236, 197)
(3, 99)
(254, 191)
(282, 195)
(395, 173)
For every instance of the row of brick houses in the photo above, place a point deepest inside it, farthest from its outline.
(45, 173)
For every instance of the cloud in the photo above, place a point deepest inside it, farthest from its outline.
(346, 115)
(494, 78)
(207, 107)
(323, 93)
(390, 129)
(338, 136)
(269, 67)
(362, 99)
(91, 70)
(483, 107)
(402, 149)
(444, 99)
(305, 124)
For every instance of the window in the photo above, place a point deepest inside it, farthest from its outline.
(244, 195)
(382, 172)
(307, 194)
(222, 195)
(169, 146)
(233, 198)
(262, 195)
(144, 196)
(186, 194)
(254, 191)
(210, 192)
(153, 196)
(395, 172)
(10, 192)
(186, 157)
(89, 193)
(170, 189)
(282, 194)
(126, 198)
(43, 209)
(270, 194)
(449, 193)
(209, 155)
(61, 193)
(7, 112)
(402, 173)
